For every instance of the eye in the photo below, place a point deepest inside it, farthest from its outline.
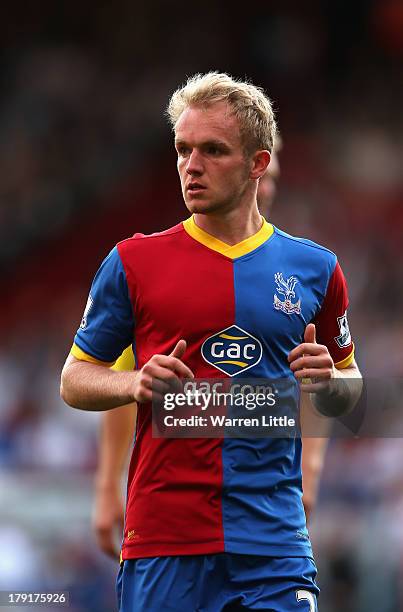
(213, 150)
(182, 151)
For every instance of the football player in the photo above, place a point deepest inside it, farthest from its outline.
(216, 522)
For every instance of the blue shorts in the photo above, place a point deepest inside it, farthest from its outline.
(214, 583)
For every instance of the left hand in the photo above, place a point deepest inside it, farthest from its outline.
(312, 361)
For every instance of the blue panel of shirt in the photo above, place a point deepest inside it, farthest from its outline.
(108, 323)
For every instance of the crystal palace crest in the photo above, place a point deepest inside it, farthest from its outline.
(286, 289)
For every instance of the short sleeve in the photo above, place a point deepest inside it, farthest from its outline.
(107, 325)
(331, 321)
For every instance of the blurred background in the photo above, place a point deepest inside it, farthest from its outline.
(86, 159)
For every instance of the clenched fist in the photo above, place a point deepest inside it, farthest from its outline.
(161, 374)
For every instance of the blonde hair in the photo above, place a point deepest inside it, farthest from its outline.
(249, 104)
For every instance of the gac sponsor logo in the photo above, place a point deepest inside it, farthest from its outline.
(232, 350)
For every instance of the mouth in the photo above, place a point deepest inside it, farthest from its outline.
(195, 187)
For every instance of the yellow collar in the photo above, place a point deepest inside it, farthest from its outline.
(231, 251)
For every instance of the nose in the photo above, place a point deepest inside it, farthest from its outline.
(194, 163)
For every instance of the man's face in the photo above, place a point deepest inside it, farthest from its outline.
(213, 170)
(268, 186)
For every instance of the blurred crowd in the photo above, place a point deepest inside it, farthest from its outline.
(68, 135)
(87, 160)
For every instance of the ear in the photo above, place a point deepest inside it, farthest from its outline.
(260, 161)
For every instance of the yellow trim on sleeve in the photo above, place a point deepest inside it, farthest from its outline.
(340, 365)
(82, 356)
(126, 361)
(232, 251)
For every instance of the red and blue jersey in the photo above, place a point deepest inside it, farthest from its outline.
(189, 496)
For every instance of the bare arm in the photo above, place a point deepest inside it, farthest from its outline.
(116, 435)
(343, 393)
(313, 456)
(315, 430)
(334, 392)
(90, 386)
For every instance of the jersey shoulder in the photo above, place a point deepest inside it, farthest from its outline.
(304, 244)
(139, 239)
(307, 252)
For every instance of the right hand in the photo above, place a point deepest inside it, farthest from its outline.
(108, 519)
(161, 374)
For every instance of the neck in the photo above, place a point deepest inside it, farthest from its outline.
(232, 227)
